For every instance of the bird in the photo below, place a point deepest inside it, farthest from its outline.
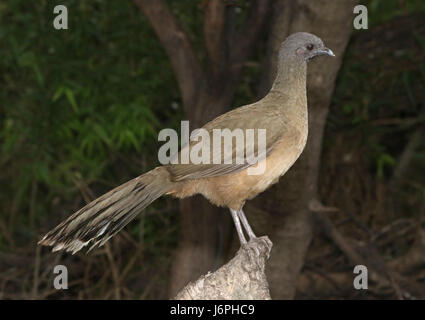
(282, 112)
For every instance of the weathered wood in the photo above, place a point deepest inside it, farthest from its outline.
(242, 278)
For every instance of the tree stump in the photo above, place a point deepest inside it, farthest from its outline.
(242, 278)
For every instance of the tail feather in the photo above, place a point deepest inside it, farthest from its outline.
(105, 216)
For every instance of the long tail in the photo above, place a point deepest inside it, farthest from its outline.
(102, 218)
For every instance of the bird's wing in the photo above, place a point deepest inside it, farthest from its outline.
(254, 117)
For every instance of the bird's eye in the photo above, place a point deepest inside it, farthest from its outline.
(310, 47)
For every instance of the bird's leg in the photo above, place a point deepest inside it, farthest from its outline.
(238, 226)
(246, 225)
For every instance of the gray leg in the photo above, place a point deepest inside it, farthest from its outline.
(238, 226)
(246, 225)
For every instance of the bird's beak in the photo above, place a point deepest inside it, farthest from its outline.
(326, 51)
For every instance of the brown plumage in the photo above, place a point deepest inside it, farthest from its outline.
(282, 112)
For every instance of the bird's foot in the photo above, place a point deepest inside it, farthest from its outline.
(258, 248)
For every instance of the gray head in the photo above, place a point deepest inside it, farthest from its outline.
(304, 46)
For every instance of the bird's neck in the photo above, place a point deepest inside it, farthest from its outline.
(291, 78)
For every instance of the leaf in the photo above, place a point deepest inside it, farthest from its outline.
(132, 138)
(58, 93)
(383, 160)
(71, 99)
(103, 135)
(348, 108)
(41, 172)
(29, 60)
(87, 143)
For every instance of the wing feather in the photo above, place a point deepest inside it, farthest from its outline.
(256, 118)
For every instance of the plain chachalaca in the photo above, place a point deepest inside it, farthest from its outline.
(282, 112)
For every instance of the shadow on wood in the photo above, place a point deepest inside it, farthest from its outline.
(242, 278)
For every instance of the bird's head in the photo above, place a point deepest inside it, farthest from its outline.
(305, 46)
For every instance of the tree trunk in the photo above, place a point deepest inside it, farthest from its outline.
(205, 230)
(288, 204)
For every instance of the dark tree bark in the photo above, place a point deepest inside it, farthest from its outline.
(177, 45)
(205, 230)
(289, 203)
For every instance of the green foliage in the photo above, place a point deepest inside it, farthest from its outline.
(384, 10)
(74, 101)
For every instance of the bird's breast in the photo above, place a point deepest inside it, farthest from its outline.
(282, 157)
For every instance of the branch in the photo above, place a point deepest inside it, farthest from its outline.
(406, 157)
(378, 272)
(248, 37)
(243, 277)
(177, 45)
(214, 34)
